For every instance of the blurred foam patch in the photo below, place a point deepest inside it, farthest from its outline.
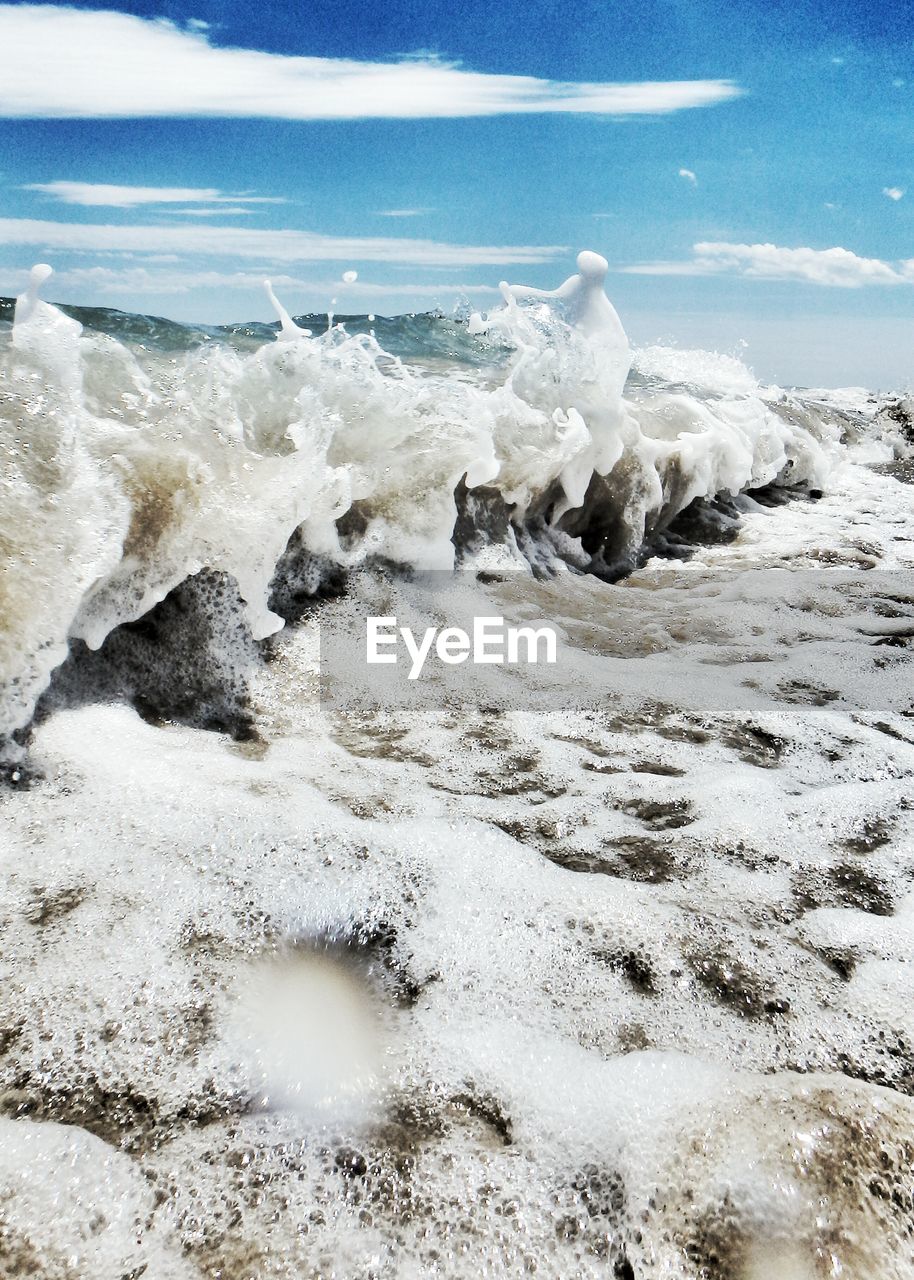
(309, 1029)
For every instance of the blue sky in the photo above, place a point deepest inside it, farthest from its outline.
(747, 169)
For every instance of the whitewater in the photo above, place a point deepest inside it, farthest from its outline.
(595, 970)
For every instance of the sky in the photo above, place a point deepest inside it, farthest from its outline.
(746, 168)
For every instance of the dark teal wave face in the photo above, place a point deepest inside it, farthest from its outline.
(424, 338)
(133, 330)
(419, 337)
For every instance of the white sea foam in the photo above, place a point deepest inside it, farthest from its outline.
(632, 983)
(129, 470)
(594, 969)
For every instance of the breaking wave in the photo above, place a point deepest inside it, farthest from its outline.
(139, 452)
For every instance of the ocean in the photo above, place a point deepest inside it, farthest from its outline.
(594, 968)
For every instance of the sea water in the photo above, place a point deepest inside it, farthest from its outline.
(600, 969)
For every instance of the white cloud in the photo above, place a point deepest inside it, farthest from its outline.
(205, 240)
(67, 62)
(403, 213)
(668, 268)
(689, 176)
(229, 210)
(130, 281)
(103, 194)
(893, 193)
(833, 267)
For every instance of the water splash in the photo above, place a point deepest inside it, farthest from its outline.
(46, 333)
(134, 469)
(289, 331)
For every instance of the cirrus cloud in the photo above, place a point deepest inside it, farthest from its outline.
(129, 281)
(403, 213)
(108, 195)
(64, 62)
(205, 240)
